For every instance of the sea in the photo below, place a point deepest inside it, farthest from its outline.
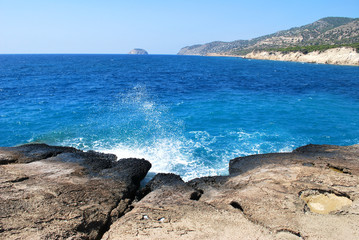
(188, 115)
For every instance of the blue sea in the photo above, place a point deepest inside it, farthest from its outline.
(186, 114)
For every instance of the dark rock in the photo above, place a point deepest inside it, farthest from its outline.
(31, 152)
(196, 195)
(164, 179)
(126, 171)
(160, 180)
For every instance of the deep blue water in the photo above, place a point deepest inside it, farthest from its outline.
(188, 115)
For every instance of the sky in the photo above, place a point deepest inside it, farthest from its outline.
(159, 26)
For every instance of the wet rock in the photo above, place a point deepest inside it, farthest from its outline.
(164, 179)
(58, 193)
(31, 152)
(158, 181)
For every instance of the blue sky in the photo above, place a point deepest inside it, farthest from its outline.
(159, 26)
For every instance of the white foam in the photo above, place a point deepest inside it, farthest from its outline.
(165, 155)
(179, 155)
(147, 130)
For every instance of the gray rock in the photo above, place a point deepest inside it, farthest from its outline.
(340, 157)
(31, 152)
(63, 193)
(138, 51)
(312, 193)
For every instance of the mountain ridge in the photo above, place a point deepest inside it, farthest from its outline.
(325, 31)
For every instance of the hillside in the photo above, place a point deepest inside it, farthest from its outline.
(324, 33)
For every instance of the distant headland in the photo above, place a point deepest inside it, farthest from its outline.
(138, 51)
(332, 40)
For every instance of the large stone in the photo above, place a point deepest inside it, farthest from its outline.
(63, 193)
(31, 152)
(270, 196)
(172, 212)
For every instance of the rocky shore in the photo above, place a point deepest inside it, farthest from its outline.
(337, 56)
(52, 192)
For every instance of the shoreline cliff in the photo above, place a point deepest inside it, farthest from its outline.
(336, 56)
(50, 192)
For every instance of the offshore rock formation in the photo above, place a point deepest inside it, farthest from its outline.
(138, 51)
(52, 192)
(339, 56)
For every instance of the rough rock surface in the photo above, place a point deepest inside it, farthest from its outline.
(338, 56)
(269, 196)
(138, 51)
(63, 193)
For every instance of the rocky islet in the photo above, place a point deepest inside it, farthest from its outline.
(138, 51)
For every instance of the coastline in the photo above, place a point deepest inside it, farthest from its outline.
(345, 56)
(62, 192)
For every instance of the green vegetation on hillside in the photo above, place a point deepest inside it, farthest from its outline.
(326, 33)
(337, 21)
(308, 49)
(302, 49)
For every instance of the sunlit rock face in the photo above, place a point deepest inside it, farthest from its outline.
(138, 51)
(310, 193)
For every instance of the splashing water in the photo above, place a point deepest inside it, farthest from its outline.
(186, 115)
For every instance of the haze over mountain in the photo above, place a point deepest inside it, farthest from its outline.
(326, 31)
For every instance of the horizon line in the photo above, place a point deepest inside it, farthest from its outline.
(85, 54)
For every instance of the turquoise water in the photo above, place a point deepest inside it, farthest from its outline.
(189, 115)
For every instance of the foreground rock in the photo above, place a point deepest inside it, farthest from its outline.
(338, 56)
(138, 51)
(177, 211)
(63, 193)
(311, 193)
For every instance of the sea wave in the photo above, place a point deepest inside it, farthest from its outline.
(137, 125)
(192, 157)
